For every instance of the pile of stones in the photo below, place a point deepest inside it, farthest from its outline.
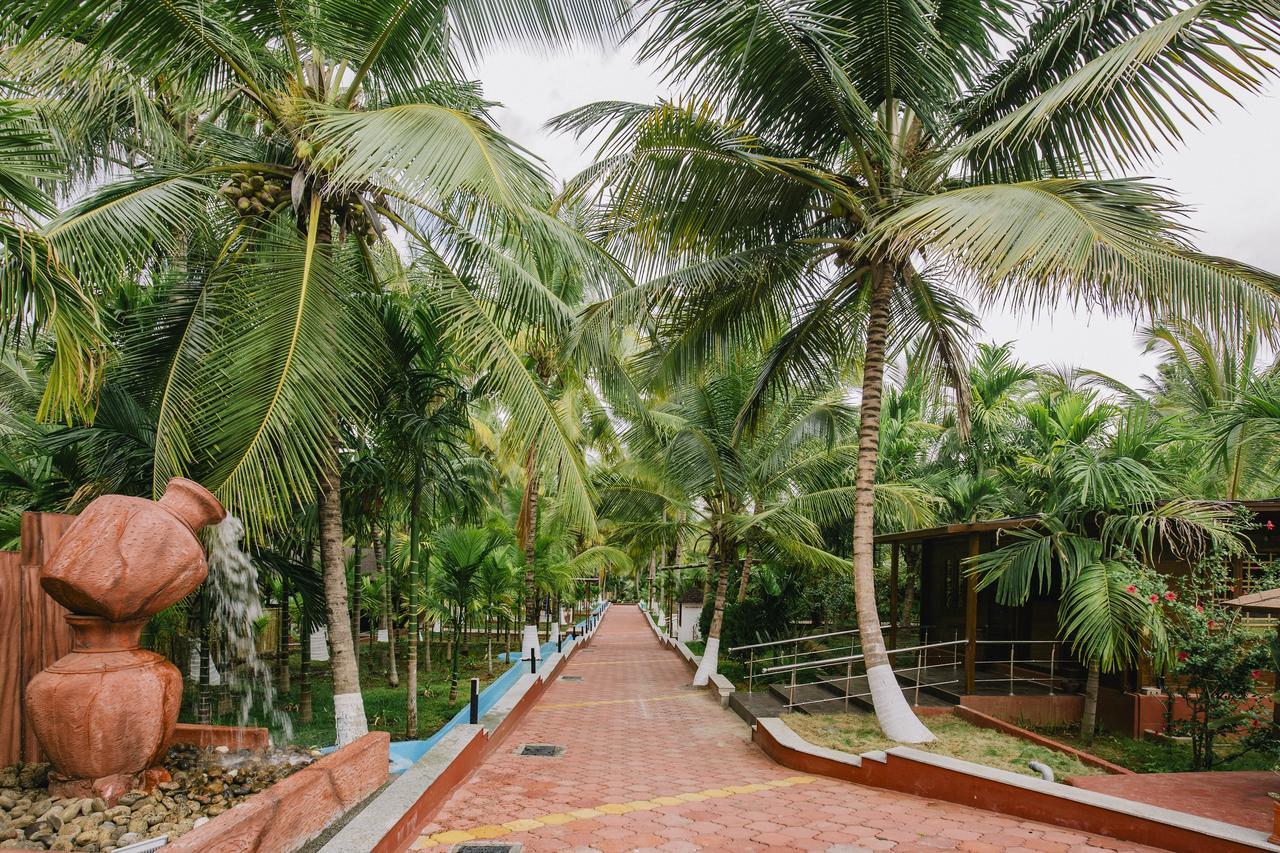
(204, 783)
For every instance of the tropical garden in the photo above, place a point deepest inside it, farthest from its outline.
(284, 250)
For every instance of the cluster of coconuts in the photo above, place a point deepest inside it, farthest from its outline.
(252, 194)
(356, 219)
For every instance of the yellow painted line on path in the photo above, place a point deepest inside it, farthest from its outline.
(542, 707)
(496, 830)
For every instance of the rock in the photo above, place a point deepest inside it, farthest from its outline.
(90, 837)
(9, 777)
(221, 750)
(97, 805)
(138, 825)
(40, 806)
(69, 830)
(129, 838)
(34, 775)
(130, 798)
(62, 843)
(71, 810)
(215, 810)
(91, 821)
(107, 837)
(118, 811)
(200, 821)
(7, 802)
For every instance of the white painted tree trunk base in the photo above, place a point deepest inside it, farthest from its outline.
(554, 635)
(897, 720)
(348, 717)
(529, 643)
(707, 667)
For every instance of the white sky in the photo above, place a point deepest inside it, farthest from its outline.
(1227, 172)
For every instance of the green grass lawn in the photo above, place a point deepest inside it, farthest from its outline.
(1144, 756)
(859, 733)
(384, 705)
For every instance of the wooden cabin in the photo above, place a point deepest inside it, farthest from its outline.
(1015, 654)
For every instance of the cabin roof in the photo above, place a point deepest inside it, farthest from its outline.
(1263, 505)
(1267, 599)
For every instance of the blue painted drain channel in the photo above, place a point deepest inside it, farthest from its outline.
(404, 753)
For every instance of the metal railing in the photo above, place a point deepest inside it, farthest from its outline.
(924, 665)
(773, 651)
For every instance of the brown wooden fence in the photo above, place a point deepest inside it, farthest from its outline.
(33, 633)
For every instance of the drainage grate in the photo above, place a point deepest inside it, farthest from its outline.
(571, 678)
(542, 749)
(486, 847)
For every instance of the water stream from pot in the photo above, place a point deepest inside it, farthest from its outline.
(235, 612)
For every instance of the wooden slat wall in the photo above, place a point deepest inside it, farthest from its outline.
(32, 629)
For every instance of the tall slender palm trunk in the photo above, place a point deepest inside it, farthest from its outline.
(355, 597)
(746, 575)
(348, 703)
(528, 528)
(1089, 717)
(415, 506)
(282, 646)
(892, 711)
(380, 551)
(304, 669)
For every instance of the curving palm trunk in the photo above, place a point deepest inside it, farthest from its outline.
(746, 575)
(380, 551)
(355, 599)
(348, 703)
(892, 711)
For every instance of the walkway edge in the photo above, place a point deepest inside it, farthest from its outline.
(913, 771)
(392, 820)
(723, 686)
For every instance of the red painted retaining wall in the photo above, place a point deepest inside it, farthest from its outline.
(926, 780)
(298, 808)
(1032, 710)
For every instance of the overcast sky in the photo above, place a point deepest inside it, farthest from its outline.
(1228, 172)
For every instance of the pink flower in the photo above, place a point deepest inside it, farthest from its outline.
(1270, 525)
(1199, 608)
(1182, 656)
(1154, 598)
(1170, 596)
(1212, 624)
(1131, 589)
(1256, 674)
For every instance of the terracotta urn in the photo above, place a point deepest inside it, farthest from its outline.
(108, 709)
(127, 558)
(109, 706)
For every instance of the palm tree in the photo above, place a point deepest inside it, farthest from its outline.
(1092, 481)
(753, 496)
(496, 591)
(843, 172)
(460, 554)
(309, 132)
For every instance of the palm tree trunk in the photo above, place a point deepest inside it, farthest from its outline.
(381, 550)
(1089, 718)
(453, 668)
(348, 703)
(746, 575)
(356, 589)
(304, 671)
(204, 696)
(707, 667)
(653, 573)
(528, 528)
(415, 506)
(282, 652)
(895, 716)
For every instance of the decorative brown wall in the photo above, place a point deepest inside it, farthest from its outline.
(33, 633)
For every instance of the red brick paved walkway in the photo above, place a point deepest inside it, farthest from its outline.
(649, 765)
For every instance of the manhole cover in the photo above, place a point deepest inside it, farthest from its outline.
(543, 749)
(486, 847)
(571, 678)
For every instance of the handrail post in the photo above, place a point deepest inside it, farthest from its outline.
(1053, 654)
(919, 670)
(751, 668)
(791, 692)
(1011, 669)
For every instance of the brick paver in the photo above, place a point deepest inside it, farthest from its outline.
(650, 765)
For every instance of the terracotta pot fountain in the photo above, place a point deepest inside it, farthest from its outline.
(106, 712)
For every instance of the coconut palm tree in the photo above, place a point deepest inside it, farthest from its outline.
(310, 132)
(1092, 481)
(844, 173)
(753, 496)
